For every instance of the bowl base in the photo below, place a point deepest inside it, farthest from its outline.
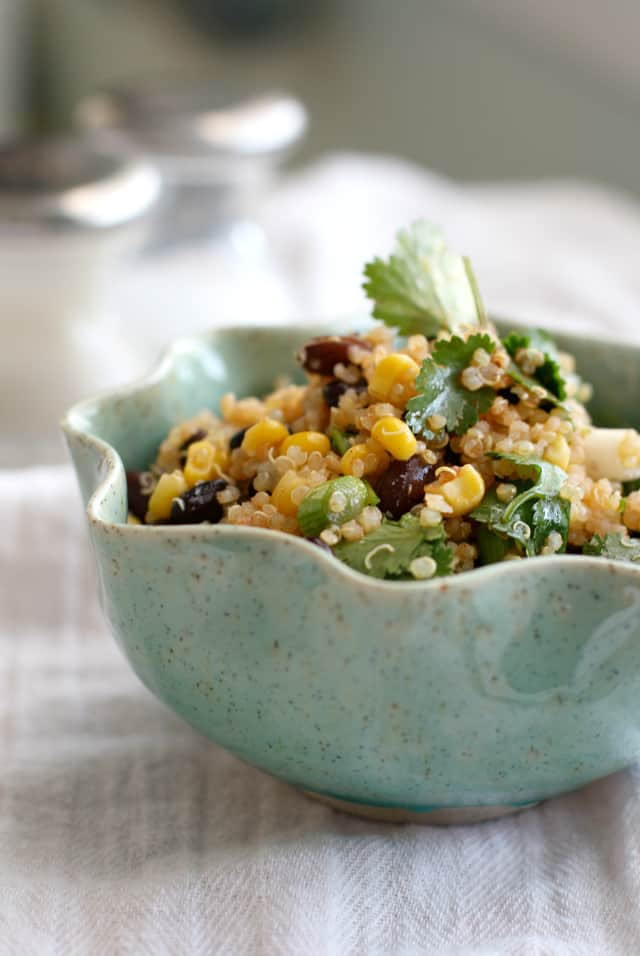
(442, 816)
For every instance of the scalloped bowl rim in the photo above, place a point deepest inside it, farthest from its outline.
(71, 427)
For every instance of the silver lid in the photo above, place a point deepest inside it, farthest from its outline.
(197, 121)
(69, 185)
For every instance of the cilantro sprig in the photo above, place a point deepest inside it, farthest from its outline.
(424, 286)
(441, 392)
(548, 375)
(614, 546)
(388, 551)
(531, 516)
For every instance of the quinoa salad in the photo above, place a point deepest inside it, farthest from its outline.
(423, 447)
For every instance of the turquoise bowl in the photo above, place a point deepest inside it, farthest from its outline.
(453, 699)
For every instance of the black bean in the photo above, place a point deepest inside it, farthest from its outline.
(236, 440)
(333, 391)
(320, 355)
(449, 456)
(138, 499)
(508, 394)
(401, 486)
(199, 503)
(196, 436)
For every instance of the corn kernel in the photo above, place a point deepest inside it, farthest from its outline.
(286, 495)
(394, 369)
(364, 459)
(204, 461)
(558, 452)
(264, 435)
(465, 491)
(306, 441)
(395, 436)
(169, 486)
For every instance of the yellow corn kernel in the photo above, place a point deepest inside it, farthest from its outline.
(306, 441)
(286, 496)
(264, 435)
(558, 452)
(365, 458)
(465, 491)
(394, 370)
(395, 436)
(169, 486)
(204, 461)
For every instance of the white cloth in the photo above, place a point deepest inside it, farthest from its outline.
(123, 832)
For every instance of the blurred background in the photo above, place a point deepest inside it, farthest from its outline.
(167, 164)
(536, 89)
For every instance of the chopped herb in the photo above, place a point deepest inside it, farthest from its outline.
(440, 391)
(549, 515)
(535, 512)
(339, 440)
(424, 286)
(614, 546)
(316, 513)
(548, 375)
(491, 547)
(388, 551)
(547, 479)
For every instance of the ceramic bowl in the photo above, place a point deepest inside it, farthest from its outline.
(448, 699)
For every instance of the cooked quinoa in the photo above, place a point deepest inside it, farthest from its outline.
(409, 456)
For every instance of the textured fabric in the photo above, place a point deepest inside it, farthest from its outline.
(123, 832)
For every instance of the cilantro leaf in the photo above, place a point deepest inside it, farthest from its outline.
(630, 486)
(534, 513)
(388, 551)
(547, 479)
(492, 547)
(548, 375)
(549, 515)
(424, 286)
(440, 391)
(515, 524)
(614, 546)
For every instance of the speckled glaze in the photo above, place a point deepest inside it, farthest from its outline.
(495, 688)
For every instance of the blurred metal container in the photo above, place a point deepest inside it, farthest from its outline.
(67, 214)
(216, 151)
